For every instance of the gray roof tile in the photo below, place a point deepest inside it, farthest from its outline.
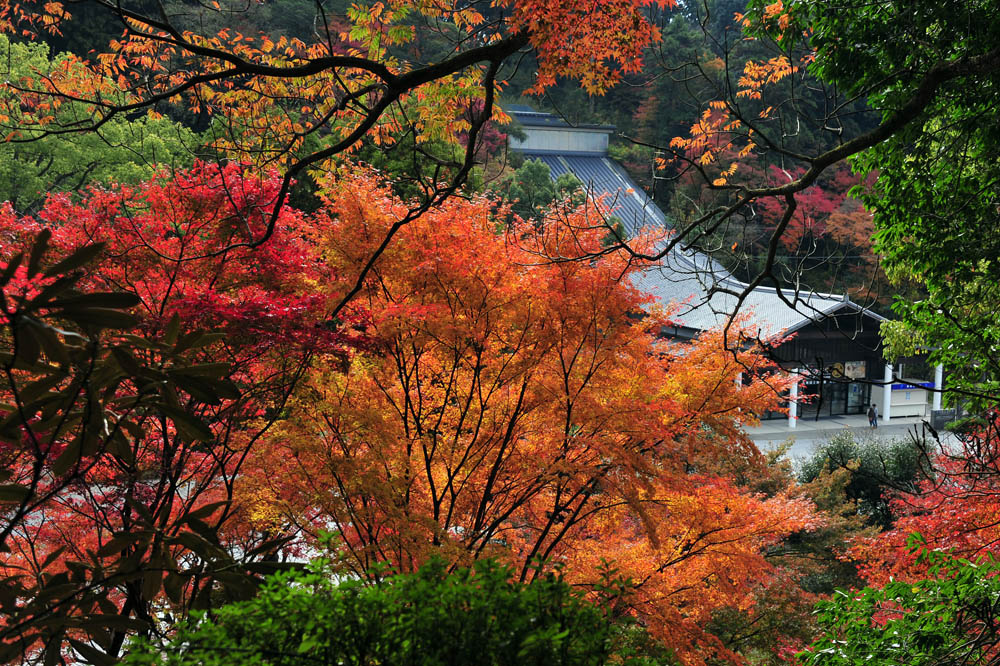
(691, 279)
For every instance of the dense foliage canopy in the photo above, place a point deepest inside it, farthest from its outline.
(458, 408)
(253, 296)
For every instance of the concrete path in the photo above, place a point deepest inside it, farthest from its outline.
(808, 434)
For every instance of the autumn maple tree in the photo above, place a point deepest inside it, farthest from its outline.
(931, 573)
(459, 408)
(931, 596)
(123, 433)
(545, 414)
(949, 617)
(524, 410)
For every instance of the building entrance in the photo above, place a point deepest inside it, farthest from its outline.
(830, 396)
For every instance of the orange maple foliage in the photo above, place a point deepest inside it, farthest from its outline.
(277, 97)
(526, 411)
(726, 128)
(721, 131)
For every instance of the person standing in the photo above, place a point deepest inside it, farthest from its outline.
(873, 416)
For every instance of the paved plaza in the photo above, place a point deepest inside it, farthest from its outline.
(809, 433)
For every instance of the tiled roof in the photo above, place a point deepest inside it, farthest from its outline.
(529, 117)
(690, 279)
(702, 306)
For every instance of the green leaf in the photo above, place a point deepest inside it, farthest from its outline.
(197, 388)
(79, 258)
(269, 545)
(203, 370)
(141, 509)
(100, 318)
(199, 546)
(173, 586)
(53, 556)
(119, 542)
(203, 512)
(205, 389)
(173, 328)
(60, 285)
(14, 493)
(234, 581)
(127, 362)
(112, 622)
(119, 447)
(188, 425)
(151, 583)
(91, 654)
(133, 429)
(57, 587)
(196, 339)
(69, 458)
(37, 250)
(27, 346)
(35, 389)
(271, 568)
(116, 300)
(53, 347)
(202, 528)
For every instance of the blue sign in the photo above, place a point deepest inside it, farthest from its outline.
(910, 387)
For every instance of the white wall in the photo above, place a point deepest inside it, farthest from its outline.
(909, 401)
(563, 139)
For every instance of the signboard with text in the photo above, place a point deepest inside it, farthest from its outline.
(854, 369)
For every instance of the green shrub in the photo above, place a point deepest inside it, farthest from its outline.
(947, 619)
(875, 467)
(430, 618)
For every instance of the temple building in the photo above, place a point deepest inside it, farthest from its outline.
(834, 343)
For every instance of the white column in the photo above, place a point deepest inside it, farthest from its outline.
(739, 380)
(887, 394)
(793, 400)
(938, 385)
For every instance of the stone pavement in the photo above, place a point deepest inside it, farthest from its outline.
(809, 433)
